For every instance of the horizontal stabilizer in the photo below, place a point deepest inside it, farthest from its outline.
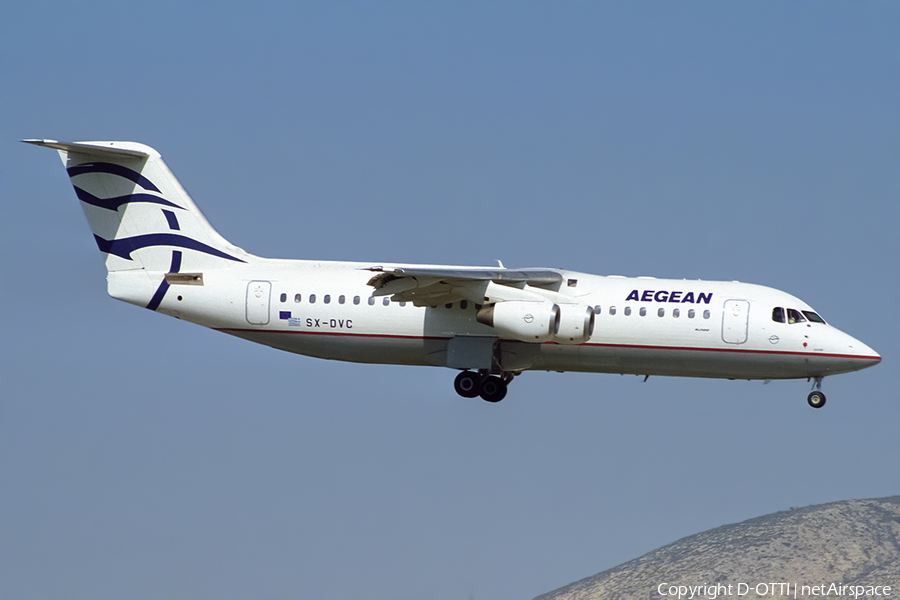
(97, 148)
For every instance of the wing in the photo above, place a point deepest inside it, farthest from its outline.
(431, 286)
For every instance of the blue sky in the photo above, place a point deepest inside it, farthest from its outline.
(145, 457)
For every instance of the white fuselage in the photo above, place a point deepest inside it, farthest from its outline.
(490, 324)
(643, 326)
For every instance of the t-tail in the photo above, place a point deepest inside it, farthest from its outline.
(143, 220)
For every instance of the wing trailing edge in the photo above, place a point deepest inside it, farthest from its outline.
(429, 286)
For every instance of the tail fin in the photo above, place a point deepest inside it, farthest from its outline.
(141, 218)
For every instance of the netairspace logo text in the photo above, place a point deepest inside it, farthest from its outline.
(771, 590)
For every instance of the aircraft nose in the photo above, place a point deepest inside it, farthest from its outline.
(863, 356)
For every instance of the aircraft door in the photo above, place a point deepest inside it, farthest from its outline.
(735, 319)
(258, 294)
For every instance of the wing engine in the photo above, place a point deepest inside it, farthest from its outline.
(524, 304)
(575, 324)
(525, 321)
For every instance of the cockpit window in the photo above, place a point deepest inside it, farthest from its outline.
(778, 314)
(813, 317)
(794, 316)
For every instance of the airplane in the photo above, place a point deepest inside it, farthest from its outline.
(489, 323)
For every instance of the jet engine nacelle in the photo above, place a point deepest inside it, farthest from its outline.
(576, 324)
(525, 321)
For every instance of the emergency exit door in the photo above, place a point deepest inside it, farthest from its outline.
(258, 294)
(735, 319)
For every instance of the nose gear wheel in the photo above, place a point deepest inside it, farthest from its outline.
(816, 398)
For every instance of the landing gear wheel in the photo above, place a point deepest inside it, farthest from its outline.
(493, 389)
(816, 399)
(467, 384)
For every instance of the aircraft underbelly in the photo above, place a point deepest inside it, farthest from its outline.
(592, 358)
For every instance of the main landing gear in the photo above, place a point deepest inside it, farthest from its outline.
(816, 398)
(491, 388)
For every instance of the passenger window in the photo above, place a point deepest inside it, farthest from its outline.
(643, 311)
(464, 304)
(676, 313)
(371, 300)
(705, 314)
(355, 299)
(794, 316)
(448, 305)
(778, 314)
(403, 304)
(284, 297)
(627, 310)
(386, 301)
(661, 312)
(813, 317)
(691, 313)
(612, 310)
(596, 310)
(341, 299)
(312, 298)
(297, 298)
(327, 299)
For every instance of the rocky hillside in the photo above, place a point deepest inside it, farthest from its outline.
(850, 543)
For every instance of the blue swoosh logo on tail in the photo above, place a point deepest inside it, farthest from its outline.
(125, 246)
(164, 285)
(113, 169)
(115, 203)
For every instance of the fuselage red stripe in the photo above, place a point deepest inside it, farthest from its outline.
(622, 346)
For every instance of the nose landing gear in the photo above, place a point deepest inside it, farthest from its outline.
(816, 398)
(491, 388)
